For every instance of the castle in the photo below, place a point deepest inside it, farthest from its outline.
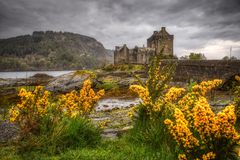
(141, 55)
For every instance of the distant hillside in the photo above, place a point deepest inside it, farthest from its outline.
(51, 51)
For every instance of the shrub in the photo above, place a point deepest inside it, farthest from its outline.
(150, 114)
(237, 99)
(55, 125)
(198, 131)
(69, 133)
(73, 104)
(31, 108)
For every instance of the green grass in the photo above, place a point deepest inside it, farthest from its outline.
(119, 149)
(28, 88)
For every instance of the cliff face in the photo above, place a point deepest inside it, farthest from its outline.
(50, 51)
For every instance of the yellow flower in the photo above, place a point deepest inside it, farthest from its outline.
(173, 94)
(237, 78)
(180, 131)
(182, 157)
(142, 93)
(209, 156)
(74, 103)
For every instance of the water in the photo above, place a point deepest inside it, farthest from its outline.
(27, 74)
(116, 103)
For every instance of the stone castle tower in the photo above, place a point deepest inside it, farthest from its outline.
(140, 55)
(161, 39)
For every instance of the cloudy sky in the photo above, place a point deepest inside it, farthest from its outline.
(207, 26)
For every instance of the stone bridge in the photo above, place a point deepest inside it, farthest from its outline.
(199, 70)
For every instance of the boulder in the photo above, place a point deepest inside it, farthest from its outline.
(67, 82)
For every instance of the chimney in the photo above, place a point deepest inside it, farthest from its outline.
(163, 29)
(155, 32)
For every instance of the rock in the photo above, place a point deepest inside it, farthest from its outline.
(126, 82)
(109, 133)
(8, 131)
(41, 76)
(37, 79)
(67, 82)
(8, 91)
(3, 82)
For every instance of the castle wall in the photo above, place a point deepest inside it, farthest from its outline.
(121, 55)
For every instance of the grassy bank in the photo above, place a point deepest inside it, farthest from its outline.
(108, 149)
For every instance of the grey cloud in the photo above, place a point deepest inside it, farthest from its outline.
(114, 22)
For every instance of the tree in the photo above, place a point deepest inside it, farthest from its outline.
(227, 58)
(194, 56)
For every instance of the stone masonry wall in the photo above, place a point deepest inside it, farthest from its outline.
(199, 70)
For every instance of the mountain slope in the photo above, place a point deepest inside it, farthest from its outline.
(50, 51)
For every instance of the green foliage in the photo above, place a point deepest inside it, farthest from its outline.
(109, 149)
(72, 133)
(118, 150)
(191, 84)
(159, 77)
(194, 56)
(108, 86)
(163, 56)
(61, 135)
(123, 67)
(231, 58)
(92, 74)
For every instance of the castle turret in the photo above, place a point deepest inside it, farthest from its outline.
(161, 39)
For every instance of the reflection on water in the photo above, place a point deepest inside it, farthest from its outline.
(116, 103)
(27, 74)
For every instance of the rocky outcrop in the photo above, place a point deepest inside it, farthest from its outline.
(71, 81)
(67, 82)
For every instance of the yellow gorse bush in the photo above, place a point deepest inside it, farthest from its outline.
(237, 98)
(33, 106)
(74, 103)
(173, 94)
(142, 93)
(155, 105)
(180, 130)
(196, 127)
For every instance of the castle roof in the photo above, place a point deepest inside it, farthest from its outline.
(160, 34)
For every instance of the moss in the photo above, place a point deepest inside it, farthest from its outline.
(108, 86)
(92, 74)
(123, 67)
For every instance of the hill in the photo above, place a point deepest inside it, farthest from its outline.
(50, 51)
